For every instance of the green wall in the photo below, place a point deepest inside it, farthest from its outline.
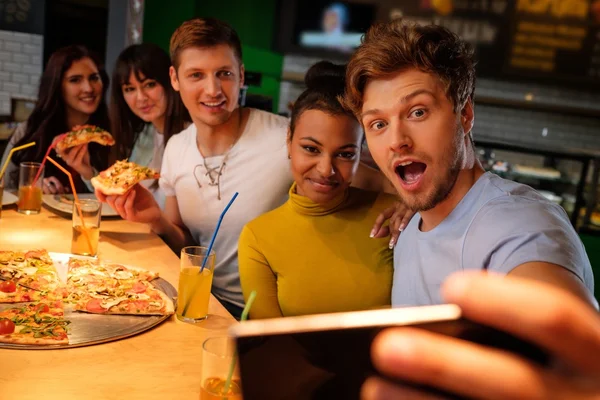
(254, 21)
(161, 19)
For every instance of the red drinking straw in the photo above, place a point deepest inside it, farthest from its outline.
(46, 157)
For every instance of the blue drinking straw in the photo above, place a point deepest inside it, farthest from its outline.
(210, 246)
(212, 240)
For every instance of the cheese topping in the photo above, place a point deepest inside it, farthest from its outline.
(30, 270)
(108, 303)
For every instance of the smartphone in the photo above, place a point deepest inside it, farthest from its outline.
(327, 356)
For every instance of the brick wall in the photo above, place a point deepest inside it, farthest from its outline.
(20, 67)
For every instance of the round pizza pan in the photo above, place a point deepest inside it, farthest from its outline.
(88, 329)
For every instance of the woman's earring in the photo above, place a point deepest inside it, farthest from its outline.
(289, 157)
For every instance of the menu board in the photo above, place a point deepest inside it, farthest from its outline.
(551, 40)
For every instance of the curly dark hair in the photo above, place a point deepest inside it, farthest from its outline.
(396, 45)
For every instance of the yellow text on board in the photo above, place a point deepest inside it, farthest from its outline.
(555, 8)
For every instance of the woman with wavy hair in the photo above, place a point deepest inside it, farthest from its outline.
(71, 92)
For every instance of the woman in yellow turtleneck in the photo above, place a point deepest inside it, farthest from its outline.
(313, 254)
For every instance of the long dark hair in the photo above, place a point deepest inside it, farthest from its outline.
(48, 118)
(149, 61)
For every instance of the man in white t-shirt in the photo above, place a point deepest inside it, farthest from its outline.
(227, 149)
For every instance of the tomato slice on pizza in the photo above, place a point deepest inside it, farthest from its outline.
(82, 134)
(121, 177)
(28, 276)
(127, 297)
(34, 323)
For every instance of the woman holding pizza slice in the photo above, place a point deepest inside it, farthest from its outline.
(71, 92)
(145, 110)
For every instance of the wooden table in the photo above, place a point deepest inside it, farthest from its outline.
(163, 363)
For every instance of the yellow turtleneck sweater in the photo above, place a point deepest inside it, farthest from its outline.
(305, 258)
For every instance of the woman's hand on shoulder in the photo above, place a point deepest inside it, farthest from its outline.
(398, 216)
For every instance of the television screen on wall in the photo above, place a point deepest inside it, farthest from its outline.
(337, 25)
(323, 27)
(556, 42)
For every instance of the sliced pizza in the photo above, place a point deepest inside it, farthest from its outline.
(128, 297)
(82, 134)
(28, 276)
(34, 323)
(85, 269)
(110, 288)
(121, 177)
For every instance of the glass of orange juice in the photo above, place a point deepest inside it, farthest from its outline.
(194, 283)
(85, 239)
(218, 353)
(30, 192)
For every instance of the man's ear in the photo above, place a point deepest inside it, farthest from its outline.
(467, 117)
(174, 80)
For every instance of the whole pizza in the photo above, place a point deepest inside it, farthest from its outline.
(31, 279)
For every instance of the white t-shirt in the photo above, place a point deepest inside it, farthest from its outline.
(256, 167)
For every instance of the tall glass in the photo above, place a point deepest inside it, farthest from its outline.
(194, 286)
(217, 357)
(30, 192)
(85, 239)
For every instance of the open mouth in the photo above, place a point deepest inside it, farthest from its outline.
(410, 172)
(213, 104)
(88, 99)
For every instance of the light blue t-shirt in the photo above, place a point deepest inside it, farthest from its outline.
(497, 226)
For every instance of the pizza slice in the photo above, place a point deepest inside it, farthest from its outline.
(82, 134)
(28, 276)
(35, 323)
(82, 269)
(127, 297)
(121, 177)
(97, 286)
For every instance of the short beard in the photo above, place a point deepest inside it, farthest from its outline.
(441, 193)
(446, 184)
